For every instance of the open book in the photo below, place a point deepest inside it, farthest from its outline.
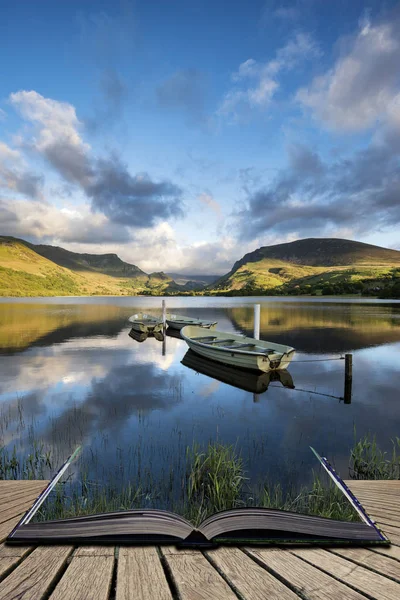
(238, 526)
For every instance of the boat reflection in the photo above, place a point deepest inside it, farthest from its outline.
(240, 378)
(140, 336)
(174, 333)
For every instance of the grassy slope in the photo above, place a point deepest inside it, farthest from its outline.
(23, 272)
(369, 269)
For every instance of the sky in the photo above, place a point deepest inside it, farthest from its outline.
(181, 135)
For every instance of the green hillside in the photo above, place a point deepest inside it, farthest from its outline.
(25, 272)
(314, 266)
(108, 264)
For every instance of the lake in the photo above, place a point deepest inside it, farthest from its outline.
(70, 374)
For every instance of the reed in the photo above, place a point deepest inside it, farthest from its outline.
(214, 481)
(368, 461)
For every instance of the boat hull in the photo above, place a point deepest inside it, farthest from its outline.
(178, 325)
(177, 322)
(252, 360)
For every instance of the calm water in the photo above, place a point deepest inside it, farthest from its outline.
(70, 374)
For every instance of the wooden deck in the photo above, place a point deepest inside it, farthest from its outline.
(150, 573)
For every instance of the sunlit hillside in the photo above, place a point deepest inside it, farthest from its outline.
(24, 272)
(314, 266)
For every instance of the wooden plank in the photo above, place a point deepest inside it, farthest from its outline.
(8, 485)
(373, 483)
(22, 486)
(392, 551)
(11, 556)
(385, 520)
(16, 508)
(392, 533)
(388, 508)
(8, 526)
(364, 580)
(391, 500)
(371, 560)
(140, 575)
(88, 576)
(36, 574)
(17, 495)
(196, 579)
(95, 551)
(249, 578)
(304, 578)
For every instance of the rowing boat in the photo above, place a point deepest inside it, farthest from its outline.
(179, 321)
(145, 323)
(238, 350)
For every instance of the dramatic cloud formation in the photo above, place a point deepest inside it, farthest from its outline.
(43, 222)
(137, 201)
(264, 76)
(363, 87)
(357, 192)
(352, 194)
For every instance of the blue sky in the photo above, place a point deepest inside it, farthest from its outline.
(182, 135)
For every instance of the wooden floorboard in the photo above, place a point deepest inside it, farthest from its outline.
(196, 579)
(167, 573)
(140, 575)
(302, 577)
(248, 577)
(34, 577)
(88, 576)
(358, 577)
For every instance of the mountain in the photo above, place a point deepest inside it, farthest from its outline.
(38, 270)
(109, 264)
(199, 280)
(313, 266)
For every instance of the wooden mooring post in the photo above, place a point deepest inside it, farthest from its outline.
(348, 377)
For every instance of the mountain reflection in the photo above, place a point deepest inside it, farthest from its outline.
(325, 328)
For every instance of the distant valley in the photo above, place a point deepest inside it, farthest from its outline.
(314, 266)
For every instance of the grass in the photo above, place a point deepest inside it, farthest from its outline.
(368, 461)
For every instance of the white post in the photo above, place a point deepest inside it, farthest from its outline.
(164, 313)
(256, 321)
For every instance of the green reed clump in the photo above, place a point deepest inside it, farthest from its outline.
(89, 499)
(34, 466)
(322, 500)
(368, 461)
(214, 481)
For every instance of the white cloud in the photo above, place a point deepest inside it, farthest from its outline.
(3, 115)
(363, 86)
(57, 120)
(44, 222)
(264, 76)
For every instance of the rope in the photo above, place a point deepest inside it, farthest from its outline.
(309, 392)
(316, 360)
